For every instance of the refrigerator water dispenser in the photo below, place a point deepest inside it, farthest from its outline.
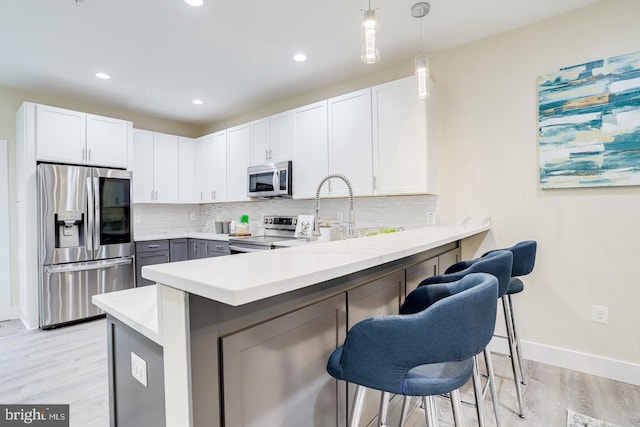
(69, 229)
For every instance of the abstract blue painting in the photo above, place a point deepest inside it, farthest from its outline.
(589, 124)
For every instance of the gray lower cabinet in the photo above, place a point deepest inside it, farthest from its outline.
(178, 250)
(198, 248)
(132, 404)
(274, 374)
(218, 248)
(150, 253)
(377, 298)
(418, 272)
(447, 259)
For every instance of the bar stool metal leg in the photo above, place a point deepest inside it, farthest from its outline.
(477, 389)
(456, 408)
(430, 410)
(492, 386)
(516, 333)
(384, 409)
(356, 408)
(406, 400)
(514, 355)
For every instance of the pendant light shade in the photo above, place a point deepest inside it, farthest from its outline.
(422, 75)
(421, 62)
(370, 51)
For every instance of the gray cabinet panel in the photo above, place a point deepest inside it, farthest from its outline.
(150, 253)
(218, 248)
(418, 272)
(178, 250)
(198, 248)
(377, 298)
(447, 259)
(274, 374)
(130, 402)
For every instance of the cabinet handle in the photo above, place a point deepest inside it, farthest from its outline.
(375, 183)
(270, 154)
(153, 246)
(83, 155)
(195, 247)
(213, 194)
(89, 159)
(435, 269)
(218, 247)
(266, 154)
(201, 195)
(152, 195)
(156, 196)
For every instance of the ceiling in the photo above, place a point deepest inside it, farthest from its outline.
(234, 55)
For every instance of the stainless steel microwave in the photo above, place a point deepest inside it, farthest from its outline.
(270, 180)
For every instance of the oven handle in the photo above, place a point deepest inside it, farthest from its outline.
(243, 249)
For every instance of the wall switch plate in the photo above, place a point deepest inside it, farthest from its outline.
(192, 216)
(600, 314)
(139, 369)
(431, 218)
(138, 218)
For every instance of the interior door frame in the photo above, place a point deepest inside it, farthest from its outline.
(7, 309)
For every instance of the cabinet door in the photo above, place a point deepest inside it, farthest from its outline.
(310, 149)
(399, 139)
(198, 248)
(377, 298)
(275, 373)
(142, 166)
(447, 259)
(280, 137)
(107, 141)
(165, 167)
(220, 166)
(260, 141)
(178, 250)
(239, 155)
(60, 135)
(149, 258)
(186, 170)
(204, 170)
(418, 272)
(350, 143)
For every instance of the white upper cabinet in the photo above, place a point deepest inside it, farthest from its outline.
(186, 170)
(239, 156)
(350, 149)
(220, 167)
(403, 161)
(107, 141)
(310, 149)
(155, 170)
(68, 136)
(211, 168)
(271, 139)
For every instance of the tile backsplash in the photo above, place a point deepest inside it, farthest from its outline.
(398, 211)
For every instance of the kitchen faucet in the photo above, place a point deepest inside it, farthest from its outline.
(352, 218)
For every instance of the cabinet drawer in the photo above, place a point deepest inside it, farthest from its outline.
(217, 248)
(152, 245)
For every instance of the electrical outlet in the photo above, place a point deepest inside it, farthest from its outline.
(192, 216)
(139, 369)
(600, 314)
(431, 218)
(138, 218)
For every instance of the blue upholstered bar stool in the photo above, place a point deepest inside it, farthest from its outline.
(422, 354)
(524, 259)
(498, 264)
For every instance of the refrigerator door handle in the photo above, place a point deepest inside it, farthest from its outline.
(96, 214)
(89, 226)
(95, 265)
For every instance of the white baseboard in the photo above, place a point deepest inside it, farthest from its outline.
(613, 369)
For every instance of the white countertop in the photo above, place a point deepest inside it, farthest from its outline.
(136, 308)
(249, 277)
(139, 237)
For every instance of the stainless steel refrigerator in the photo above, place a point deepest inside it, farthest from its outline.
(85, 239)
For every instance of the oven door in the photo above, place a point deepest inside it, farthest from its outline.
(243, 249)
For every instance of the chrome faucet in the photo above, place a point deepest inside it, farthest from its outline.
(352, 217)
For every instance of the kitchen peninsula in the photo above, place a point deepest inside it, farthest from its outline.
(243, 340)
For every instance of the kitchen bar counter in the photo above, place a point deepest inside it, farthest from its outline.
(245, 278)
(252, 332)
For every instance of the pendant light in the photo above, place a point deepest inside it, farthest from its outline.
(370, 51)
(421, 62)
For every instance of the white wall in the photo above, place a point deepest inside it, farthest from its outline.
(7, 309)
(589, 239)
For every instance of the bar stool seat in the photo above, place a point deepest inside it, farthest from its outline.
(515, 286)
(421, 354)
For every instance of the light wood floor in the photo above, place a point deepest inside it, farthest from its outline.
(69, 366)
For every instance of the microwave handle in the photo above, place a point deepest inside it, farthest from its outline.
(276, 180)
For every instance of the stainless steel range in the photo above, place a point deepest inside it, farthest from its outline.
(277, 228)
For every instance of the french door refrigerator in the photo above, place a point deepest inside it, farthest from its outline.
(85, 239)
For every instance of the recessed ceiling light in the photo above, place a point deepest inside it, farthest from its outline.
(103, 76)
(198, 101)
(299, 57)
(193, 2)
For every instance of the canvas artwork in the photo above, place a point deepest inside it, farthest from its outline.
(589, 124)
